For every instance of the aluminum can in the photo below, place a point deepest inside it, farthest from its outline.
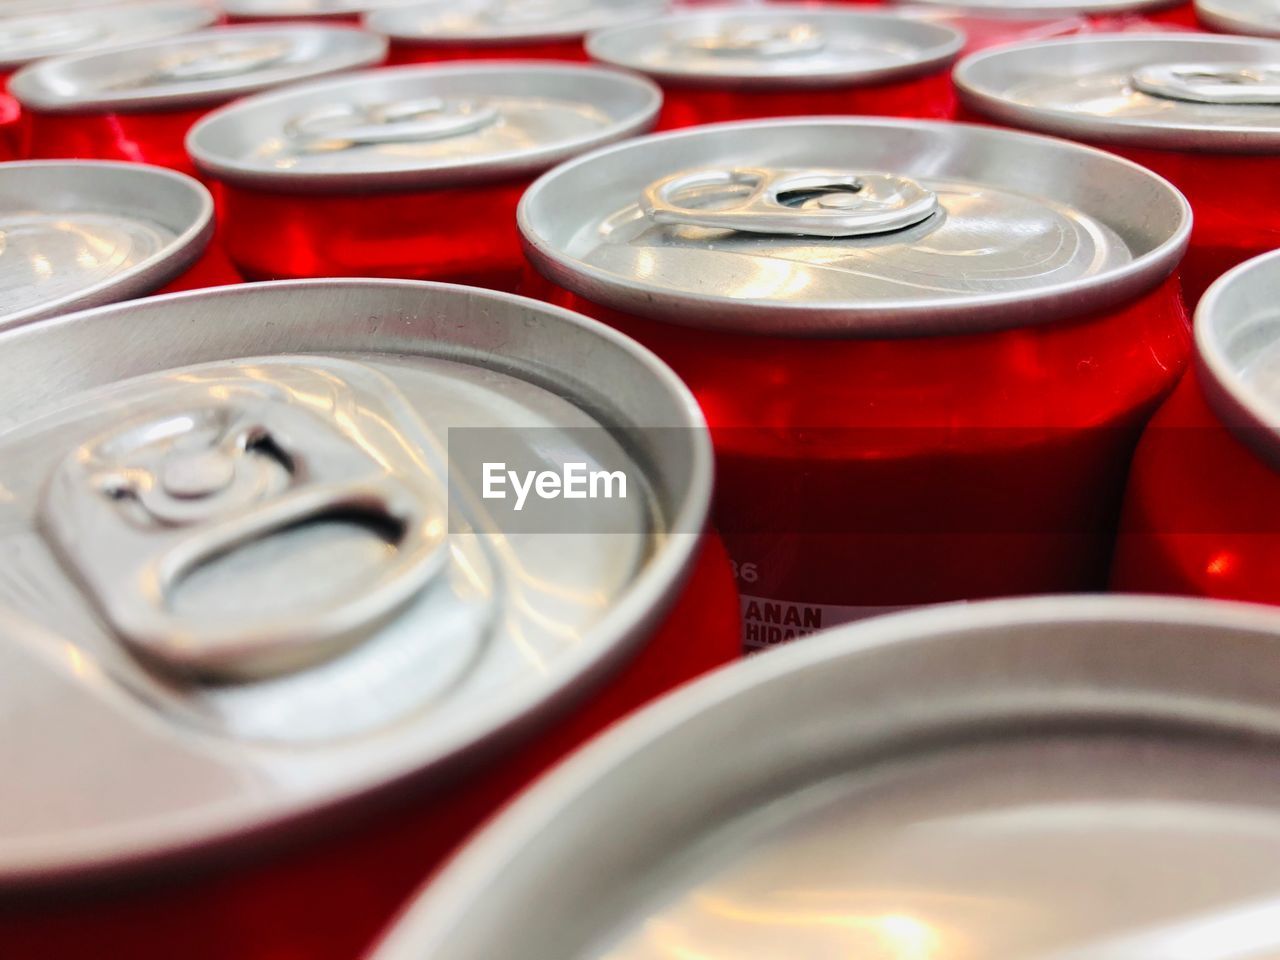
(1117, 15)
(925, 369)
(1201, 514)
(1254, 17)
(249, 581)
(501, 29)
(25, 39)
(292, 11)
(1202, 111)
(406, 172)
(79, 233)
(1061, 777)
(137, 102)
(734, 63)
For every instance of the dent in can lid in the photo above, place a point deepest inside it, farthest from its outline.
(263, 483)
(78, 233)
(27, 38)
(1043, 778)
(1238, 345)
(1189, 92)
(432, 125)
(779, 47)
(845, 228)
(1258, 17)
(461, 22)
(208, 67)
(304, 9)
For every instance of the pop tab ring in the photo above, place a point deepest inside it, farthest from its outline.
(134, 512)
(817, 203)
(1211, 82)
(766, 40)
(346, 125)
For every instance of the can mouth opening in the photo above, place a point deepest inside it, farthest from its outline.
(1237, 329)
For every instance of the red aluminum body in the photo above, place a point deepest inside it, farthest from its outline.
(146, 137)
(10, 124)
(328, 897)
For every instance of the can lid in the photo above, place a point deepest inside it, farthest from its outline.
(1237, 331)
(304, 9)
(922, 228)
(1183, 92)
(433, 125)
(78, 233)
(208, 67)
(27, 38)
(1048, 8)
(250, 552)
(1048, 778)
(771, 47)
(462, 22)
(1258, 17)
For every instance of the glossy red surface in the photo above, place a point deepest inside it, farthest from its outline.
(327, 897)
(151, 137)
(1202, 512)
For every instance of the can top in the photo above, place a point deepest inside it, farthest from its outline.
(1184, 92)
(422, 126)
(1032, 778)
(461, 22)
(1258, 17)
(208, 67)
(251, 552)
(853, 227)
(1047, 8)
(304, 9)
(1238, 346)
(24, 39)
(78, 233)
(771, 47)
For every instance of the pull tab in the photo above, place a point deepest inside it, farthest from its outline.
(345, 125)
(1211, 82)
(218, 61)
(135, 512)
(795, 202)
(765, 40)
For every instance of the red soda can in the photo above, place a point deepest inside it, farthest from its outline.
(1106, 15)
(1201, 511)
(79, 233)
(926, 350)
(286, 11)
(501, 29)
(735, 63)
(1202, 111)
(255, 575)
(1254, 17)
(406, 172)
(137, 102)
(25, 39)
(1067, 777)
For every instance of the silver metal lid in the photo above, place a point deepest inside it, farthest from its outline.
(1258, 17)
(422, 126)
(1049, 8)
(28, 38)
(1175, 91)
(1238, 345)
(461, 22)
(779, 46)
(846, 228)
(304, 9)
(1046, 778)
(79, 233)
(208, 67)
(262, 483)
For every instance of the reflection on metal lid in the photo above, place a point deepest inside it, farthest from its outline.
(451, 22)
(1258, 17)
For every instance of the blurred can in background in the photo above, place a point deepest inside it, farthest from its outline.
(289, 11)
(1103, 15)
(1253, 17)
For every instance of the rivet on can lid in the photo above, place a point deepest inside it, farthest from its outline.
(1211, 82)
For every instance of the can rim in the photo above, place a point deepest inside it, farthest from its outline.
(30, 88)
(388, 21)
(621, 630)
(935, 53)
(1056, 8)
(428, 924)
(1246, 411)
(452, 173)
(885, 318)
(143, 277)
(1226, 17)
(201, 15)
(1220, 138)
